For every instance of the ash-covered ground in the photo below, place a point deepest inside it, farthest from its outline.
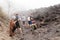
(48, 30)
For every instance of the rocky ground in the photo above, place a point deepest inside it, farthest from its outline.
(48, 32)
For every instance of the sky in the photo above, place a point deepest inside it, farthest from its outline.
(23, 5)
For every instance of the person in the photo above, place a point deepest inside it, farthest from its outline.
(34, 26)
(29, 20)
(17, 22)
(23, 19)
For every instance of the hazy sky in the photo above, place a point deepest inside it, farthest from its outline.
(26, 4)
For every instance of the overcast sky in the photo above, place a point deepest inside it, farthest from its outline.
(26, 4)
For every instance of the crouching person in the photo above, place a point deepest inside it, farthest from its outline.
(33, 25)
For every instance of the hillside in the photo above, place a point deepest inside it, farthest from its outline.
(48, 30)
